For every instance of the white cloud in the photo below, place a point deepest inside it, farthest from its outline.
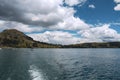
(75, 2)
(91, 6)
(117, 7)
(117, 1)
(35, 12)
(72, 23)
(102, 33)
(56, 37)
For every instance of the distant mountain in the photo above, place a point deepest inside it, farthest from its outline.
(17, 39)
(94, 45)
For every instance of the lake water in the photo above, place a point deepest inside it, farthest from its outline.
(60, 64)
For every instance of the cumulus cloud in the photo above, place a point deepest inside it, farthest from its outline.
(100, 34)
(91, 6)
(72, 23)
(35, 12)
(32, 12)
(56, 37)
(117, 7)
(75, 2)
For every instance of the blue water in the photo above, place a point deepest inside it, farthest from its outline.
(60, 64)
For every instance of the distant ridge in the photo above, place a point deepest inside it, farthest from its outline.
(17, 39)
(94, 45)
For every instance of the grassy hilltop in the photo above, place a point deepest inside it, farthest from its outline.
(17, 39)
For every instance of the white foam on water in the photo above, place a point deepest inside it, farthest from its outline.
(35, 73)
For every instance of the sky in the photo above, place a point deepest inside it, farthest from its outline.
(63, 21)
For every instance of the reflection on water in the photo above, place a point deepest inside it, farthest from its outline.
(59, 64)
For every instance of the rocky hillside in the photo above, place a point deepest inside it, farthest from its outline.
(15, 38)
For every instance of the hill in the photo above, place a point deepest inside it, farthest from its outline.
(17, 39)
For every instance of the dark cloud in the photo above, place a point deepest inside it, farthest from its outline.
(18, 10)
